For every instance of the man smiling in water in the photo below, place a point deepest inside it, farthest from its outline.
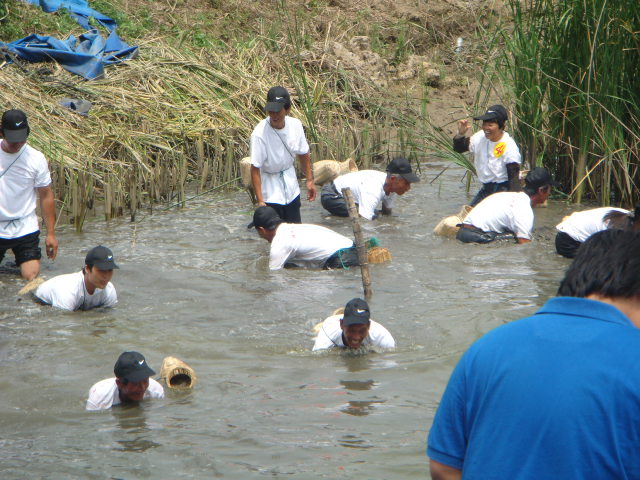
(84, 290)
(130, 385)
(353, 329)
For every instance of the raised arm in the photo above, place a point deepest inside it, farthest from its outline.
(461, 141)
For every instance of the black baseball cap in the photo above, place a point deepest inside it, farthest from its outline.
(401, 166)
(539, 177)
(15, 128)
(495, 112)
(265, 217)
(277, 97)
(100, 257)
(132, 367)
(356, 312)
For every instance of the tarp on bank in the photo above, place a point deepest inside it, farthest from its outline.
(86, 55)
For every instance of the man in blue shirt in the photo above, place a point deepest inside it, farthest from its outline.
(555, 395)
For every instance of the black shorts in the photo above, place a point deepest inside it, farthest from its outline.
(343, 258)
(333, 202)
(471, 234)
(566, 245)
(289, 213)
(24, 248)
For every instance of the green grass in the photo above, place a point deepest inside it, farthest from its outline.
(22, 19)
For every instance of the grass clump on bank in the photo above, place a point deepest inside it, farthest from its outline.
(577, 92)
(182, 112)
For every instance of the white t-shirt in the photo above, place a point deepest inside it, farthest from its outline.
(21, 174)
(330, 335)
(367, 188)
(503, 212)
(275, 160)
(304, 244)
(581, 225)
(491, 158)
(104, 394)
(69, 292)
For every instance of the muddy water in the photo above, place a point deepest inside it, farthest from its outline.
(194, 283)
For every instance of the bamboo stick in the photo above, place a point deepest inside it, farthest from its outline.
(360, 246)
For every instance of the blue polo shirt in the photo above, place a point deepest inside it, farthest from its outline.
(552, 396)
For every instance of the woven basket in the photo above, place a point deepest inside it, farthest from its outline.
(318, 326)
(32, 285)
(447, 226)
(177, 374)
(378, 255)
(245, 172)
(325, 171)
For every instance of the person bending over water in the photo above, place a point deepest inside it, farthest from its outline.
(302, 245)
(507, 212)
(577, 227)
(369, 188)
(84, 290)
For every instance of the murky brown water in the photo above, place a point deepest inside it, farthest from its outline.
(194, 283)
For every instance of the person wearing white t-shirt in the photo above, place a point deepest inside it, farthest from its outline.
(302, 245)
(275, 143)
(577, 227)
(84, 290)
(496, 155)
(131, 385)
(507, 212)
(24, 177)
(369, 188)
(353, 329)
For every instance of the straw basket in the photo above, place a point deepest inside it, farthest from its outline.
(378, 255)
(324, 171)
(31, 286)
(318, 326)
(245, 172)
(447, 226)
(177, 374)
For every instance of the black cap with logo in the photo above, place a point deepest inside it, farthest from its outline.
(15, 128)
(132, 367)
(265, 217)
(539, 177)
(356, 312)
(496, 113)
(401, 166)
(100, 257)
(277, 98)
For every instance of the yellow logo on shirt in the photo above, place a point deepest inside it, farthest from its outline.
(499, 149)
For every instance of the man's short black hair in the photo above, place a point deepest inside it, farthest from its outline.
(607, 263)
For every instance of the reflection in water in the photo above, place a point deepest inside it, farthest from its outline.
(351, 441)
(358, 385)
(360, 408)
(355, 361)
(133, 428)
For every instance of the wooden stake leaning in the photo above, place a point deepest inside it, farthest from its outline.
(360, 246)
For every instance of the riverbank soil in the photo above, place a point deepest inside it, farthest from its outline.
(412, 49)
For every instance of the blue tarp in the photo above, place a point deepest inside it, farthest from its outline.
(86, 55)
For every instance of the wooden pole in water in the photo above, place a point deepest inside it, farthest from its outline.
(360, 246)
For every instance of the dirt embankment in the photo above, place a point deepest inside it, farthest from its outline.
(405, 48)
